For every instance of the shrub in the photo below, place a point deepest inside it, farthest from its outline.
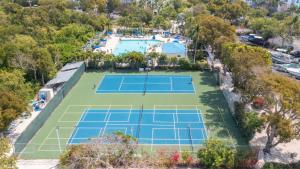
(281, 166)
(216, 154)
(239, 111)
(184, 64)
(246, 158)
(249, 122)
(113, 151)
(162, 157)
(187, 157)
(175, 157)
(202, 65)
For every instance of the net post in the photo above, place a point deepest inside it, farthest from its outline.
(190, 137)
(145, 83)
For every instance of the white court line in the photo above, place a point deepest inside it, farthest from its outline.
(97, 105)
(125, 129)
(194, 90)
(84, 138)
(169, 139)
(176, 114)
(76, 127)
(45, 139)
(154, 112)
(121, 84)
(108, 111)
(179, 144)
(171, 83)
(203, 121)
(85, 113)
(99, 84)
(144, 83)
(63, 114)
(130, 111)
(152, 141)
(153, 129)
(156, 90)
(174, 125)
(139, 92)
(72, 137)
(199, 114)
(202, 135)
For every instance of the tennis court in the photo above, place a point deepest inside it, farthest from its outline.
(149, 126)
(168, 121)
(146, 84)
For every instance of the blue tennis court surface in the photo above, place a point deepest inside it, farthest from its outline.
(153, 127)
(146, 84)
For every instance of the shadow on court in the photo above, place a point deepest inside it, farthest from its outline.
(218, 117)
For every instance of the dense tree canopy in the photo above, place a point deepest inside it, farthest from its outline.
(227, 9)
(207, 30)
(282, 109)
(243, 61)
(5, 161)
(36, 42)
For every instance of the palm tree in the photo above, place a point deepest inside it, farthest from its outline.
(193, 32)
(153, 56)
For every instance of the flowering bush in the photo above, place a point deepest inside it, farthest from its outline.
(258, 103)
(175, 157)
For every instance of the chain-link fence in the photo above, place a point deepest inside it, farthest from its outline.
(37, 123)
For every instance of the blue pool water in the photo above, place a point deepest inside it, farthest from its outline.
(134, 45)
(174, 48)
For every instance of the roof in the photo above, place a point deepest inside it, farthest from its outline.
(173, 48)
(71, 66)
(61, 77)
(65, 73)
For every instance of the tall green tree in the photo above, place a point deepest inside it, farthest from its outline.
(14, 82)
(11, 107)
(112, 5)
(205, 31)
(227, 9)
(267, 27)
(135, 59)
(289, 28)
(282, 108)
(243, 61)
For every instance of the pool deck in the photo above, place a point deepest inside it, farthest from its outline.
(111, 44)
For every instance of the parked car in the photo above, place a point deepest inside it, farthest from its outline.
(281, 58)
(295, 53)
(253, 39)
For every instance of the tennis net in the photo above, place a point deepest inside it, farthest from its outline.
(145, 83)
(140, 121)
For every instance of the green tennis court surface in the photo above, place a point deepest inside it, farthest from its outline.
(201, 114)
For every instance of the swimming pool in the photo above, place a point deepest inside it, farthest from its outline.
(125, 46)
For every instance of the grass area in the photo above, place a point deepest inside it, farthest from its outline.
(208, 98)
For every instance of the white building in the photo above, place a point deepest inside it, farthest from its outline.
(283, 4)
